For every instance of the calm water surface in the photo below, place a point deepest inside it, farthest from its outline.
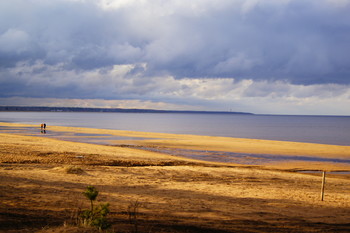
(316, 129)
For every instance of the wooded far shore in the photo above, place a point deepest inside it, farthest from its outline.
(78, 109)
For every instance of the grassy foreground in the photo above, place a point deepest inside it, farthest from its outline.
(42, 180)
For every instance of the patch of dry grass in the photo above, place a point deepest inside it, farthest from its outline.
(177, 195)
(74, 170)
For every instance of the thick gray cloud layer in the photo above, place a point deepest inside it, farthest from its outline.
(59, 48)
(301, 41)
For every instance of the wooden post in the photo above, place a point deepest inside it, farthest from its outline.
(323, 184)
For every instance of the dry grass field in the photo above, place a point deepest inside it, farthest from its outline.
(42, 180)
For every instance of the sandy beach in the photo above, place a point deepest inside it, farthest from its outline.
(42, 180)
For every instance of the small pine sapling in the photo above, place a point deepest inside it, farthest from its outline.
(96, 216)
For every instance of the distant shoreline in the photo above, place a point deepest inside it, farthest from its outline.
(78, 109)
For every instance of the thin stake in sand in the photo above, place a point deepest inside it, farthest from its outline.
(323, 184)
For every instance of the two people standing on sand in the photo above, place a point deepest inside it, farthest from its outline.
(43, 127)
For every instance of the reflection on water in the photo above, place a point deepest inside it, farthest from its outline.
(240, 158)
(330, 172)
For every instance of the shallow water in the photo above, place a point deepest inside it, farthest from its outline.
(329, 172)
(101, 139)
(241, 158)
(315, 129)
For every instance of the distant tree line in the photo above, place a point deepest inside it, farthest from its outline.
(76, 109)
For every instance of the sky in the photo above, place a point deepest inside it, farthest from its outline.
(258, 56)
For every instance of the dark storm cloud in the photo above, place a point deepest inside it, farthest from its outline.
(302, 41)
(296, 41)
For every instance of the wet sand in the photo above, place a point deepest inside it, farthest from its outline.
(176, 194)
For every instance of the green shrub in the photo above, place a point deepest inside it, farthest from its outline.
(97, 215)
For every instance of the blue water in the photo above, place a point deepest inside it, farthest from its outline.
(316, 129)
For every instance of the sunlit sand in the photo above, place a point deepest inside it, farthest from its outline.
(178, 194)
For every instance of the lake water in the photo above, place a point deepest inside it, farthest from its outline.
(316, 129)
